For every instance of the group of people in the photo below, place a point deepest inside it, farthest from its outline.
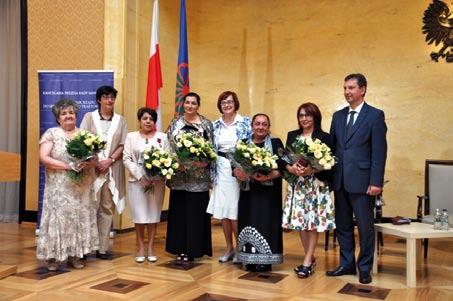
(77, 216)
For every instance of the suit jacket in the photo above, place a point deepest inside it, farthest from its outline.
(326, 175)
(362, 154)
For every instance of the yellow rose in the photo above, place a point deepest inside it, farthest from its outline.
(156, 163)
(145, 156)
(88, 141)
(167, 163)
(168, 176)
(318, 154)
(175, 165)
(148, 165)
(327, 166)
(322, 162)
(187, 143)
(193, 150)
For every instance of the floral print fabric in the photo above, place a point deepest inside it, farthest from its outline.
(308, 206)
(68, 223)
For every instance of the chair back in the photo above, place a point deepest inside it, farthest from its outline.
(439, 186)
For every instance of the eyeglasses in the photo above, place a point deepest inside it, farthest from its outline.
(108, 97)
(224, 103)
(304, 115)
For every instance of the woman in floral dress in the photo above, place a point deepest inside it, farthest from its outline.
(68, 228)
(308, 205)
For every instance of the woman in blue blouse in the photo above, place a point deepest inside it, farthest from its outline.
(223, 204)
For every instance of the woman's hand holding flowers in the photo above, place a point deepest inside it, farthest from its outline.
(144, 181)
(240, 174)
(263, 178)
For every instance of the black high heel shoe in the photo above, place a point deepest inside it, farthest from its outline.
(299, 267)
(305, 271)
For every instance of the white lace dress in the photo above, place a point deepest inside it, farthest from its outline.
(68, 223)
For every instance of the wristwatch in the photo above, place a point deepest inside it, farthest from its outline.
(111, 158)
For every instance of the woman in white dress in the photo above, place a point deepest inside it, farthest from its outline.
(145, 204)
(223, 204)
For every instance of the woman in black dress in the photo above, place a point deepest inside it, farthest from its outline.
(260, 242)
(188, 225)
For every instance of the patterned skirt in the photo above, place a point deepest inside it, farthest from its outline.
(308, 206)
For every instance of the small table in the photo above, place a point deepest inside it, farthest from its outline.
(413, 233)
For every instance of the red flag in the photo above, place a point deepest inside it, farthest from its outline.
(154, 71)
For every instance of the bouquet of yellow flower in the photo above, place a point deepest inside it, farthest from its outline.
(254, 159)
(83, 146)
(305, 150)
(159, 163)
(192, 147)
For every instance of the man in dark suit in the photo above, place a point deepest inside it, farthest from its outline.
(358, 134)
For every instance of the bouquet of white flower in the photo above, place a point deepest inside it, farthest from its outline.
(254, 159)
(191, 147)
(305, 150)
(83, 146)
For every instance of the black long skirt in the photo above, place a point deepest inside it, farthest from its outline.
(260, 238)
(188, 225)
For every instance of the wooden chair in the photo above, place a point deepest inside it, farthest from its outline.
(438, 193)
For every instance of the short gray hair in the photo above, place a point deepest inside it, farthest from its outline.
(63, 104)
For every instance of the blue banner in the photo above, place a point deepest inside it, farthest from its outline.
(79, 86)
(182, 75)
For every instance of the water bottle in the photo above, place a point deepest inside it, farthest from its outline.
(437, 220)
(445, 225)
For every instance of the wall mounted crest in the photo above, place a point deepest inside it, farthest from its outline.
(438, 27)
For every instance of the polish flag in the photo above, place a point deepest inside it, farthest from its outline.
(154, 70)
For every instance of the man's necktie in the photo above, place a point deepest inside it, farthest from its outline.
(350, 122)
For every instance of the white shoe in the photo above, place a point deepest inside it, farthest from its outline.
(227, 256)
(139, 259)
(152, 258)
(236, 259)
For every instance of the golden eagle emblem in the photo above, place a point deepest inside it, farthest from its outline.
(438, 27)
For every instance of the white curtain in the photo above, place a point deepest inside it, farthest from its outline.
(10, 100)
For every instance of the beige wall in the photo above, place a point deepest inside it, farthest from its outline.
(62, 34)
(277, 54)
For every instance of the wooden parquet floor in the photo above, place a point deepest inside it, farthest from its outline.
(123, 279)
